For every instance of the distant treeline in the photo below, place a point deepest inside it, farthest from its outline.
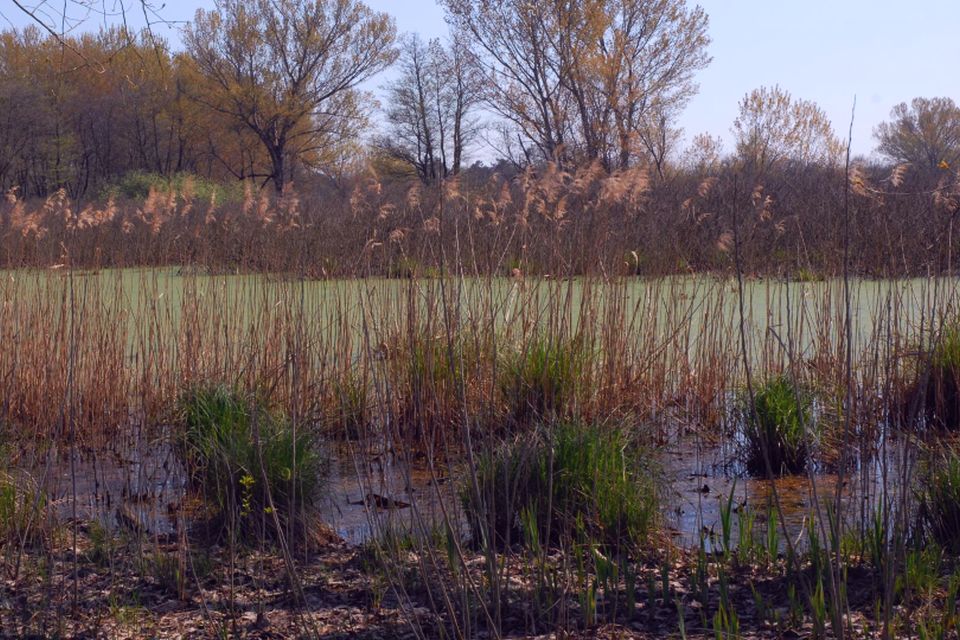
(80, 117)
(273, 92)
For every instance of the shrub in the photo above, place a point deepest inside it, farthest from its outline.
(571, 481)
(219, 449)
(939, 498)
(775, 426)
(540, 381)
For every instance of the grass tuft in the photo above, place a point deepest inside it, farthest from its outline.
(245, 459)
(572, 481)
(22, 508)
(351, 408)
(774, 428)
(939, 497)
(540, 381)
(937, 395)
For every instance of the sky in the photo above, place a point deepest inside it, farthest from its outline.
(879, 52)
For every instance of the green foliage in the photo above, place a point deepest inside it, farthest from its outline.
(726, 523)
(137, 185)
(103, 545)
(772, 546)
(240, 455)
(775, 426)
(921, 571)
(946, 354)
(726, 623)
(572, 481)
(877, 538)
(818, 610)
(540, 381)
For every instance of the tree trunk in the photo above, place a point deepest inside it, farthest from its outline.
(278, 176)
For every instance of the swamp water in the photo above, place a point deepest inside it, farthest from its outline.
(141, 486)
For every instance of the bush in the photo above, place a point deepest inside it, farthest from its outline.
(219, 450)
(775, 425)
(939, 498)
(571, 481)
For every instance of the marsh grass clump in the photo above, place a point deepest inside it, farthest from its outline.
(806, 275)
(351, 408)
(22, 510)
(424, 377)
(246, 459)
(168, 572)
(774, 427)
(935, 392)
(939, 498)
(540, 381)
(430, 376)
(571, 481)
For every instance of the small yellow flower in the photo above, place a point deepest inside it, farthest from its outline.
(943, 165)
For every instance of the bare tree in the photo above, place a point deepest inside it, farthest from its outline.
(430, 107)
(510, 39)
(463, 93)
(288, 70)
(925, 133)
(579, 80)
(658, 136)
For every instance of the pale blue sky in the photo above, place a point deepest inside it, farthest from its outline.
(823, 50)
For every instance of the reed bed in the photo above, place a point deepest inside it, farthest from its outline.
(115, 347)
(545, 220)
